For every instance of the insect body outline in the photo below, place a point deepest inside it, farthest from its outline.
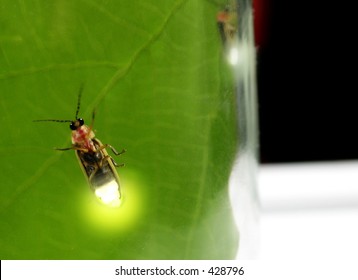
(97, 165)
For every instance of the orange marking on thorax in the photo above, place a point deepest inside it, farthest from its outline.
(82, 137)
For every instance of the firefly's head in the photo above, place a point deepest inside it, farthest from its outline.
(76, 124)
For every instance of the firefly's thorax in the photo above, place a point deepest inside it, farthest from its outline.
(82, 135)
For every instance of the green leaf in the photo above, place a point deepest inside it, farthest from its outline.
(154, 71)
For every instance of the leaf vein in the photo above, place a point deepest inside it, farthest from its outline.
(121, 73)
(63, 66)
(29, 182)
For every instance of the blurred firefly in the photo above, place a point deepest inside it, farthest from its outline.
(98, 167)
(227, 21)
(227, 24)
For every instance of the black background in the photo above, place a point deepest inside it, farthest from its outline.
(305, 74)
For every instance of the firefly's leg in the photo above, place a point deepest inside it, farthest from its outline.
(113, 161)
(112, 148)
(116, 164)
(72, 148)
(115, 152)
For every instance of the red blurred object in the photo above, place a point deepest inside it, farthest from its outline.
(261, 20)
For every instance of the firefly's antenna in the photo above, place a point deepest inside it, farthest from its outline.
(52, 121)
(77, 110)
(79, 101)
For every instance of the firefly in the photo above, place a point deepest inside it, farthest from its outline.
(97, 165)
(226, 21)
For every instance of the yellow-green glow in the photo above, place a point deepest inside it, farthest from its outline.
(109, 194)
(233, 55)
(103, 219)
